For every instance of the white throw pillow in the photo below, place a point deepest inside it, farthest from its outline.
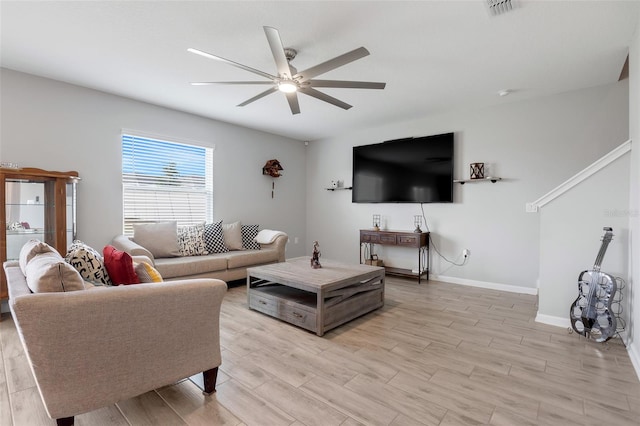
(48, 272)
(31, 249)
(160, 238)
(232, 235)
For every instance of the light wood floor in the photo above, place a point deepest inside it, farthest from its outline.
(436, 354)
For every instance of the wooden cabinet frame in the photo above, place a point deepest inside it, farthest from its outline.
(55, 210)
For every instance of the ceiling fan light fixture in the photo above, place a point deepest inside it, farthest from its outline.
(287, 86)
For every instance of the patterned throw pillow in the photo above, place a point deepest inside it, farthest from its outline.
(88, 262)
(191, 240)
(214, 238)
(249, 233)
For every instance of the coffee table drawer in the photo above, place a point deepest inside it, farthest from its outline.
(284, 309)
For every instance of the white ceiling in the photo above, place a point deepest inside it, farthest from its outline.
(435, 56)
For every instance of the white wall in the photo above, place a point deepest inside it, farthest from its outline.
(58, 126)
(534, 145)
(633, 328)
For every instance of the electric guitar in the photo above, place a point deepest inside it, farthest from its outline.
(590, 313)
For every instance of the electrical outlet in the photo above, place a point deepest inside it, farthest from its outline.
(295, 240)
(466, 253)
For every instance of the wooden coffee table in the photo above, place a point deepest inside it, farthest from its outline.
(315, 299)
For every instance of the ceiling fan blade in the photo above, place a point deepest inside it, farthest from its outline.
(207, 83)
(293, 102)
(324, 97)
(347, 84)
(258, 96)
(277, 50)
(235, 64)
(331, 64)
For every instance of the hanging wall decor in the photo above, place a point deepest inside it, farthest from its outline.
(272, 168)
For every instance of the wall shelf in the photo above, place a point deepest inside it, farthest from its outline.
(492, 179)
(339, 188)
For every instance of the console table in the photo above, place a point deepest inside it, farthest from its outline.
(418, 240)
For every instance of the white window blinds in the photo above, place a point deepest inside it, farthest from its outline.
(165, 180)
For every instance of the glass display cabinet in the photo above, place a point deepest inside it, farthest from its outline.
(38, 204)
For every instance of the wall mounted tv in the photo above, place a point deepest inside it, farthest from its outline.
(411, 170)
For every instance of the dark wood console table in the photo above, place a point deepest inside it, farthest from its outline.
(418, 240)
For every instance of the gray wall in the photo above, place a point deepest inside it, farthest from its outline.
(534, 145)
(570, 234)
(58, 126)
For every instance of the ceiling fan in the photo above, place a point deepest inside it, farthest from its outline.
(289, 80)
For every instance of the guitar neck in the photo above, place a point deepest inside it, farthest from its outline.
(606, 239)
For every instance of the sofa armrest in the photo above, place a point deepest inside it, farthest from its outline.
(278, 244)
(88, 349)
(124, 243)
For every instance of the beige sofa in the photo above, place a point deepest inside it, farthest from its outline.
(227, 266)
(91, 348)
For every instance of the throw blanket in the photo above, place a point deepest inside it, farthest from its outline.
(267, 236)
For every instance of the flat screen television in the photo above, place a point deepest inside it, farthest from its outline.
(411, 170)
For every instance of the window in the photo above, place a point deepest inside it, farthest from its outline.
(165, 180)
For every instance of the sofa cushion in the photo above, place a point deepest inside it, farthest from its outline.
(214, 238)
(30, 249)
(232, 235)
(172, 267)
(249, 234)
(48, 272)
(191, 240)
(160, 238)
(240, 259)
(119, 265)
(88, 262)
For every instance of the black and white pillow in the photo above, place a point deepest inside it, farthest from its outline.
(249, 233)
(214, 238)
(191, 240)
(88, 262)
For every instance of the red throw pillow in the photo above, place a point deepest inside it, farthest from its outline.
(119, 265)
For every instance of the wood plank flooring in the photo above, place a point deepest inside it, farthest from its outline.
(435, 354)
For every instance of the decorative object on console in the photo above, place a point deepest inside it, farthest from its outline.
(376, 222)
(315, 257)
(417, 221)
(476, 171)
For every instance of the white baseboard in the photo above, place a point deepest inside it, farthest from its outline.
(634, 355)
(484, 284)
(551, 320)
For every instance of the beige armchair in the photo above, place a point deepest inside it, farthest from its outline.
(88, 349)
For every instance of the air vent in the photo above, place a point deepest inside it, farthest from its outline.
(498, 7)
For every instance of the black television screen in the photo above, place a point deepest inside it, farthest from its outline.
(412, 170)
